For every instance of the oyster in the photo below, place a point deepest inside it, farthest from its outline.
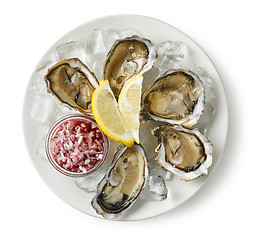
(72, 83)
(184, 152)
(176, 97)
(123, 182)
(128, 57)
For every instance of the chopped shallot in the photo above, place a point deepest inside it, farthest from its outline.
(77, 145)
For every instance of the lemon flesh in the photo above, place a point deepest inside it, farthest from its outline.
(107, 115)
(129, 105)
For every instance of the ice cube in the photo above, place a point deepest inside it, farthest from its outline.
(40, 150)
(42, 69)
(97, 66)
(157, 170)
(38, 85)
(208, 114)
(72, 49)
(206, 119)
(95, 51)
(62, 109)
(129, 67)
(95, 43)
(170, 54)
(128, 33)
(155, 189)
(41, 109)
(90, 182)
(109, 38)
(207, 83)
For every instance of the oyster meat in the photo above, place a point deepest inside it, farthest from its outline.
(128, 57)
(184, 152)
(176, 97)
(72, 83)
(123, 182)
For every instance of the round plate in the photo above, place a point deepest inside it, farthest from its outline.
(35, 131)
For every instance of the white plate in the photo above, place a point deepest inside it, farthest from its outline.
(179, 191)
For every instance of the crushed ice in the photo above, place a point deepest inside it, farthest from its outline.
(155, 189)
(170, 54)
(89, 183)
(208, 114)
(72, 49)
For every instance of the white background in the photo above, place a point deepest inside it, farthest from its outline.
(223, 208)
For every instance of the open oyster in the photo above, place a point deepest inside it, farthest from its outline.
(127, 58)
(123, 182)
(184, 152)
(176, 97)
(72, 83)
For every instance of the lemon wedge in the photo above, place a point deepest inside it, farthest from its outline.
(107, 115)
(129, 105)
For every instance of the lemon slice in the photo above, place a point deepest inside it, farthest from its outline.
(129, 105)
(107, 115)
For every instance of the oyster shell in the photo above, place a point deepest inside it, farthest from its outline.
(72, 83)
(184, 152)
(123, 182)
(176, 97)
(128, 57)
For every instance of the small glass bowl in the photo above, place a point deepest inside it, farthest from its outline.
(51, 134)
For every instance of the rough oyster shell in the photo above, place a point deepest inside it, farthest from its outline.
(184, 152)
(128, 57)
(123, 182)
(177, 97)
(72, 83)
